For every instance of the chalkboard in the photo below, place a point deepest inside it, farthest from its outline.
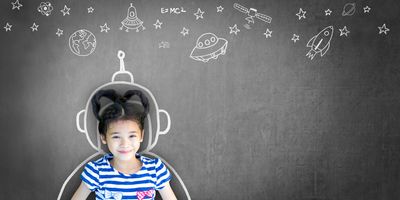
(250, 99)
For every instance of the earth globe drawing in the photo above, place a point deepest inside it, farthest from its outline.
(82, 42)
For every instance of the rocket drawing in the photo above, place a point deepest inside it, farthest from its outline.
(320, 43)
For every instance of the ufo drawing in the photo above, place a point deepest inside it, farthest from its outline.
(132, 21)
(320, 43)
(208, 46)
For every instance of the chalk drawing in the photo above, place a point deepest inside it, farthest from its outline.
(163, 44)
(90, 9)
(295, 38)
(328, 12)
(16, 5)
(251, 13)
(45, 8)
(208, 46)
(234, 29)
(185, 31)
(104, 28)
(344, 31)
(383, 29)
(349, 9)
(173, 10)
(220, 8)
(59, 32)
(301, 14)
(158, 24)
(152, 142)
(320, 43)
(82, 42)
(247, 26)
(367, 9)
(8, 27)
(34, 27)
(268, 33)
(198, 14)
(65, 10)
(132, 21)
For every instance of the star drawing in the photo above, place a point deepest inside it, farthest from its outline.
(268, 33)
(295, 38)
(16, 5)
(328, 12)
(301, 14)
(59, 32)
(199, 14)
(158, 24)
(344, 31)
(219, 9)
(66, 10)
(367, 9)
(234, 29)
(90, 9)
(185, 31)
(104, 28)
(34, 27)
(8, 27)
(383, 29)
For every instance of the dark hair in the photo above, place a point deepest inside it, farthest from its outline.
(120, 108)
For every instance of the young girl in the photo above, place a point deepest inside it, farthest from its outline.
(123, 173)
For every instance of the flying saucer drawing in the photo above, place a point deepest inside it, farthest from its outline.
(208, 46)
(132, 21)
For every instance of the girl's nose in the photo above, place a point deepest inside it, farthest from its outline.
(125, 142)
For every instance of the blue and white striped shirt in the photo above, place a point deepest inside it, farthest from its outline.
(108, 183)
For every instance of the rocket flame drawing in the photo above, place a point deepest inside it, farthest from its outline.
(320, 43)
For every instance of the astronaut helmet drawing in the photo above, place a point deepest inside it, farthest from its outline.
(87, 123)
(152, 125)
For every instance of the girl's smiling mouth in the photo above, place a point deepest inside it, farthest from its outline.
(124, 151)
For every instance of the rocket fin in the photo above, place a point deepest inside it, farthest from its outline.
(309, 43)
(323, 52)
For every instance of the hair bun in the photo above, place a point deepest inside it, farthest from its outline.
(143, 99)
(96, 106)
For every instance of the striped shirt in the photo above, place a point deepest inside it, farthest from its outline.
(108, 183)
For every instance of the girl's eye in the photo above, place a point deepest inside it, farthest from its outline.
(115, 137)
(132, 136)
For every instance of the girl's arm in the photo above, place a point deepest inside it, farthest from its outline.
(81, 193)
(167, 193)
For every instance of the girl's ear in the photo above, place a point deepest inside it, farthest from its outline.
(103, 139)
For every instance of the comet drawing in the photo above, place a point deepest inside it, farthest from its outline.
(320, 43)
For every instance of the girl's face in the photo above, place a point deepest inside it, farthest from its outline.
(123, 139)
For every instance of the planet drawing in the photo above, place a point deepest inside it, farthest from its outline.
(82, 42)
(208, 46)
(349, 9)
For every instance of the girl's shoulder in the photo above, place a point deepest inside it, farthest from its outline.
(148, 160)
(102, 161)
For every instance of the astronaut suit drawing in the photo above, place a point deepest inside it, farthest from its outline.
(152, 127)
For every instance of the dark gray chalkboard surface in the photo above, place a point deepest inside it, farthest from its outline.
(267, 99)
